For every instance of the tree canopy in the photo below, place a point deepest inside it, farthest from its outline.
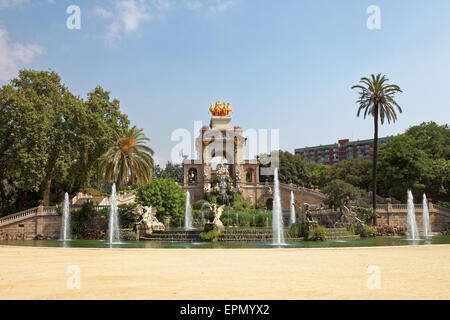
(51, 139)
(129, 159)
(174, 171)
(164, 195)
(339, 193)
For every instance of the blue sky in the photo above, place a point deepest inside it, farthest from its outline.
(286, 65)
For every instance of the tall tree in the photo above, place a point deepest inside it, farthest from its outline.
(432, 138)
(339, 193)
(173, 171)
(403, 165)
(353, 171)
(38, 109)
(50, 140)
(130, 159)
(376, 98)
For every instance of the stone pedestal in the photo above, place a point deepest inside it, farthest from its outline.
(220, 123)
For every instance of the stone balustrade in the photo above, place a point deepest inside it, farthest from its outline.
(18, 216)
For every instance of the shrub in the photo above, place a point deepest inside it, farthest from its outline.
(339, 193)
(245, 219)
(199, 204)
(130, 235)
(128, 215)
(443, 204)
(210, 235)
(263, 218)
(93, 192)
(316, 233)
(238, 202)
(366, 232)
(299, 229)
(164, 195)
(103, 213)
(177, 221)
(80, 218)
(211, 198)
(366, 213)
(351, 228)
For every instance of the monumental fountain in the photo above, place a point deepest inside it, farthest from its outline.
(65, 224)
(426, 218)
(277, 219)
(413, 232)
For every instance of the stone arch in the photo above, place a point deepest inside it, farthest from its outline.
(249, 175)
(218, 160)
(269, 203)
(228, 157)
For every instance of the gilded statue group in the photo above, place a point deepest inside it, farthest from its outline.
(221, 109)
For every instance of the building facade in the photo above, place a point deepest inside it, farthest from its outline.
(344, 149)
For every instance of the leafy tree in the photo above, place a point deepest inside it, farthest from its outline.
(128, 215)
(104, 122)
(80, 218)
(432, 138)
(174, 171)
(437, 182)
(164, 195)
(339, 193)
(317, 174)
(49, 139)
(404, 165)
(292, 169)
(354, 171)
(129, 159)
(376, 98)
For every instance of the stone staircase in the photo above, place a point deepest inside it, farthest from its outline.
(246, 235)
(250, 235)
(19, 216)
(174, 236)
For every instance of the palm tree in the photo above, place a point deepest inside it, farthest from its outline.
(129, 159)
(376, 98)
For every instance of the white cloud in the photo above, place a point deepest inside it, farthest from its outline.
(212, 6)
(129, 15)
(11, 3)
(14, 56)
(195, 5)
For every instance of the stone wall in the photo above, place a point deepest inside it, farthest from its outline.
(42, 222)
(437, 220)
(27, 228)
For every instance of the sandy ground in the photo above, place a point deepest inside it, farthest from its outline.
(405, 273)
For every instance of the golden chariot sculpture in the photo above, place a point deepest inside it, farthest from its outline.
(221, 109)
